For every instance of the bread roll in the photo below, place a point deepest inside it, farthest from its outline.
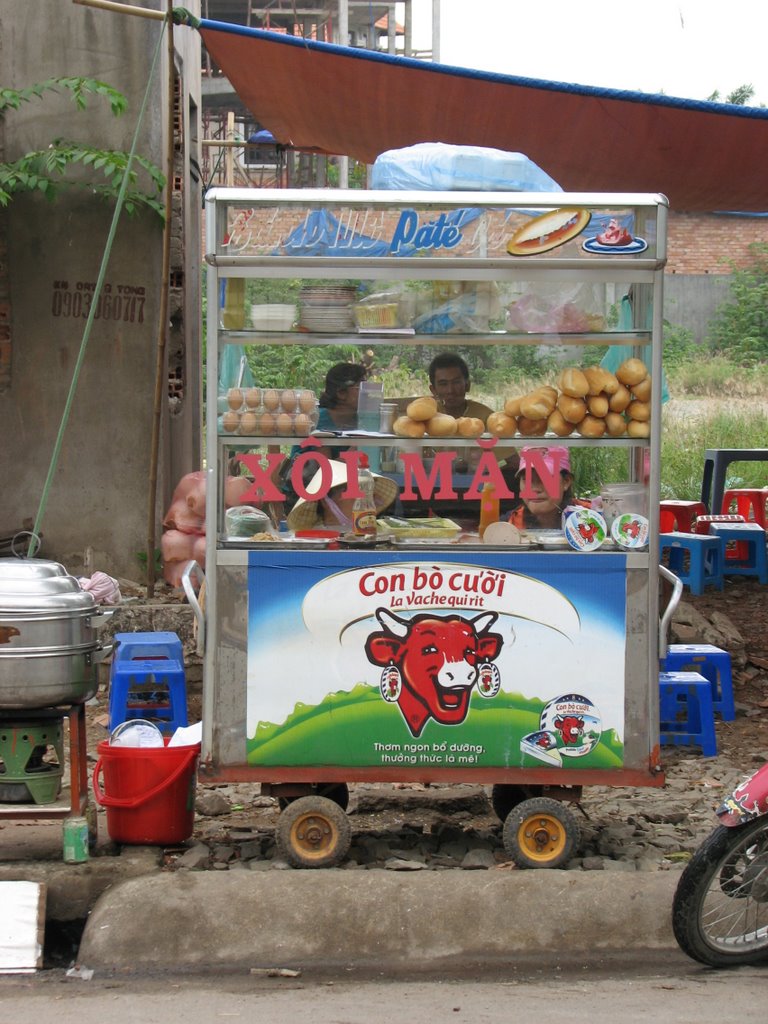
(591, 426)
(600, 379)
(637, 410)
(537, 405)
(501, 425)
(573, 382)
(547, 389)
(441, 425)
(531, 428)
(404, 426)
(632, 371)
(643, 389)
(422, 408)
(639, 428)
(615, 425)
(573, 409)
(512, 406)
(559, 425)
(597, 405)
(470, 426)
(620, 400)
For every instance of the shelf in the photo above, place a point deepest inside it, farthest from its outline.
(411, 443)
(246, 336)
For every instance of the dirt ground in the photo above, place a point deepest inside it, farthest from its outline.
(745, 602)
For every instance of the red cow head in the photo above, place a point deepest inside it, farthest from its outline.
(438, 661)
(571, 727)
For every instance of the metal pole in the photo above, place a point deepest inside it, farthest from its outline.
(162, 326)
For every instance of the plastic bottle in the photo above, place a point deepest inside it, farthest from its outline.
(364, 508)
(489, 507)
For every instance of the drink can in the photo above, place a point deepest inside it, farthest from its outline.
(75, 840)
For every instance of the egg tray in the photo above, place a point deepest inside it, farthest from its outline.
(263, 423)
(274, 400)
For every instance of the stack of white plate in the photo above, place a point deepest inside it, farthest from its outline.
(326, 309)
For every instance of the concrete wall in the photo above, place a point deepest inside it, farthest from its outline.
(96, 514)
(691, 300)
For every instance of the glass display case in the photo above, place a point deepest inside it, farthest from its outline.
(526, 657)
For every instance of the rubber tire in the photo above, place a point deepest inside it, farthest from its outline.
(707, 866)
(336, 791)
(552, 818)
(505, 797)
(313, 832)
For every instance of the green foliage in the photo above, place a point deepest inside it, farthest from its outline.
(679, 345)
(740, 326)
(279, 366)
(686, 438)
(47, 171)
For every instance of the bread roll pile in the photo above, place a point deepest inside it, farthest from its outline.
(423, 420)
(592, 402)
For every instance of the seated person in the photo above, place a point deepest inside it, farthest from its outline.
(543, 510)
(338, 400)
(449, 384)
(334, 511)
(338, 411)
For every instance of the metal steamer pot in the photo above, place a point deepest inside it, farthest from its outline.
(49, 648)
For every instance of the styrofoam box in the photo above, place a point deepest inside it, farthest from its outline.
(274, 316)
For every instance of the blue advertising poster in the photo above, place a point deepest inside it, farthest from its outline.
(445, 660)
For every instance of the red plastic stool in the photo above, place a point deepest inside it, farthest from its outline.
(667, 521)
(748, 500)
(736, 552)
(684, 512)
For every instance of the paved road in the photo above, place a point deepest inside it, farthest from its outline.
(647, 988)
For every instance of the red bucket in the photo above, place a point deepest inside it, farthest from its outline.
(149, 792)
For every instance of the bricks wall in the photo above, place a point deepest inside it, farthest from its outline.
(702, 243)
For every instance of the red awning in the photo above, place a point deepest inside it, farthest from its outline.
(331, 99)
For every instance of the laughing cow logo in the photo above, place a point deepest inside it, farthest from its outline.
(571, 728)
(438, 660)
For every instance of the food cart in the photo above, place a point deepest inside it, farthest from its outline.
(530, 667)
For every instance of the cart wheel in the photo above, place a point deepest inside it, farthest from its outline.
(540, 833)
(336, 791)
(313, 832)
(505, 798)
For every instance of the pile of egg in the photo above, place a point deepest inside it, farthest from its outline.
(269, 411)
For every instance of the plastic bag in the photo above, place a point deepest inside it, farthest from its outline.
(467, 313)
(104, 589)
(442, 167)
(558, 308)
(245, 521)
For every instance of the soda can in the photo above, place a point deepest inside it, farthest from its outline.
(75, 840)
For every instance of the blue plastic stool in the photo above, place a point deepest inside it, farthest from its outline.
(686, 714)
(752, 537)
(147, 680)
(711, 662)
(705, 559)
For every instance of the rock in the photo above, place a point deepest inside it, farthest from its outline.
(195, 858)
(478, 858)
(398, 864)
(211, 803)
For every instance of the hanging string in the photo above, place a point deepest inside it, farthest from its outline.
(34, 540)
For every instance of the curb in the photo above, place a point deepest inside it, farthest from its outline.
(336, 917)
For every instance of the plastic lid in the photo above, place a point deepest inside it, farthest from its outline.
(136, 732)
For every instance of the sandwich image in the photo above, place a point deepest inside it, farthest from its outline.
(553, 228)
